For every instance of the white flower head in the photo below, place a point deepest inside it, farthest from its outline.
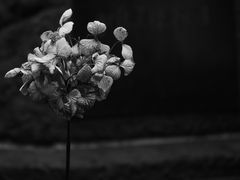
(96, 27)
(120, 33)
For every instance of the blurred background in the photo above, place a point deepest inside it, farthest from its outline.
(185, 85)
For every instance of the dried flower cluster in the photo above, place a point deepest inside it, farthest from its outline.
(72, 77)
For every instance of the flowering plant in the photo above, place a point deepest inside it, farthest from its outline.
(71, 77)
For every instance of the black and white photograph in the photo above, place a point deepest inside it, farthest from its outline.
(119, 90)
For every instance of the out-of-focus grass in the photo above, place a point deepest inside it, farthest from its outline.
(47, 129)
(217, 168)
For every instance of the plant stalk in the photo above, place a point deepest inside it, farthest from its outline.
(68, 148)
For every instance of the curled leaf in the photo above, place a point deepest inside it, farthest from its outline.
(127, 52)
(128, 66)
(85, 73)
(12, 73)
(66, 28)
(120, 33)
(65, 16)
(99, 63)
(96, 27)
(113, 71)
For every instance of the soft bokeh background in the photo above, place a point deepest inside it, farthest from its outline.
(185, 80)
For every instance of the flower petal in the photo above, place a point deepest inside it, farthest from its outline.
(105, 83)
(120, 33)
(113, 60)
(100, 62)
(113, 71)
(63, 48)
(66, 28)
(96, 27)
(128, 66)
(88, 46)
(45, 36)
(65, 16)
(127, 52)
(85, 73)
(12, 73)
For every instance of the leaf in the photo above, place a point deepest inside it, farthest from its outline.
(127, 52)
(96, 27)
(120, 33)
(63, 48)
(128, 66)
(105, 83)
(12, 73)
(45, 36)
(65, 16)
(85, 73)
(100, 62)
(113, 60)
(113, 71)
(66, 28)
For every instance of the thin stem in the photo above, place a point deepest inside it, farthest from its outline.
(114, 46)
(68, 148)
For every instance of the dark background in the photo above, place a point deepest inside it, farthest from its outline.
(185, 81)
